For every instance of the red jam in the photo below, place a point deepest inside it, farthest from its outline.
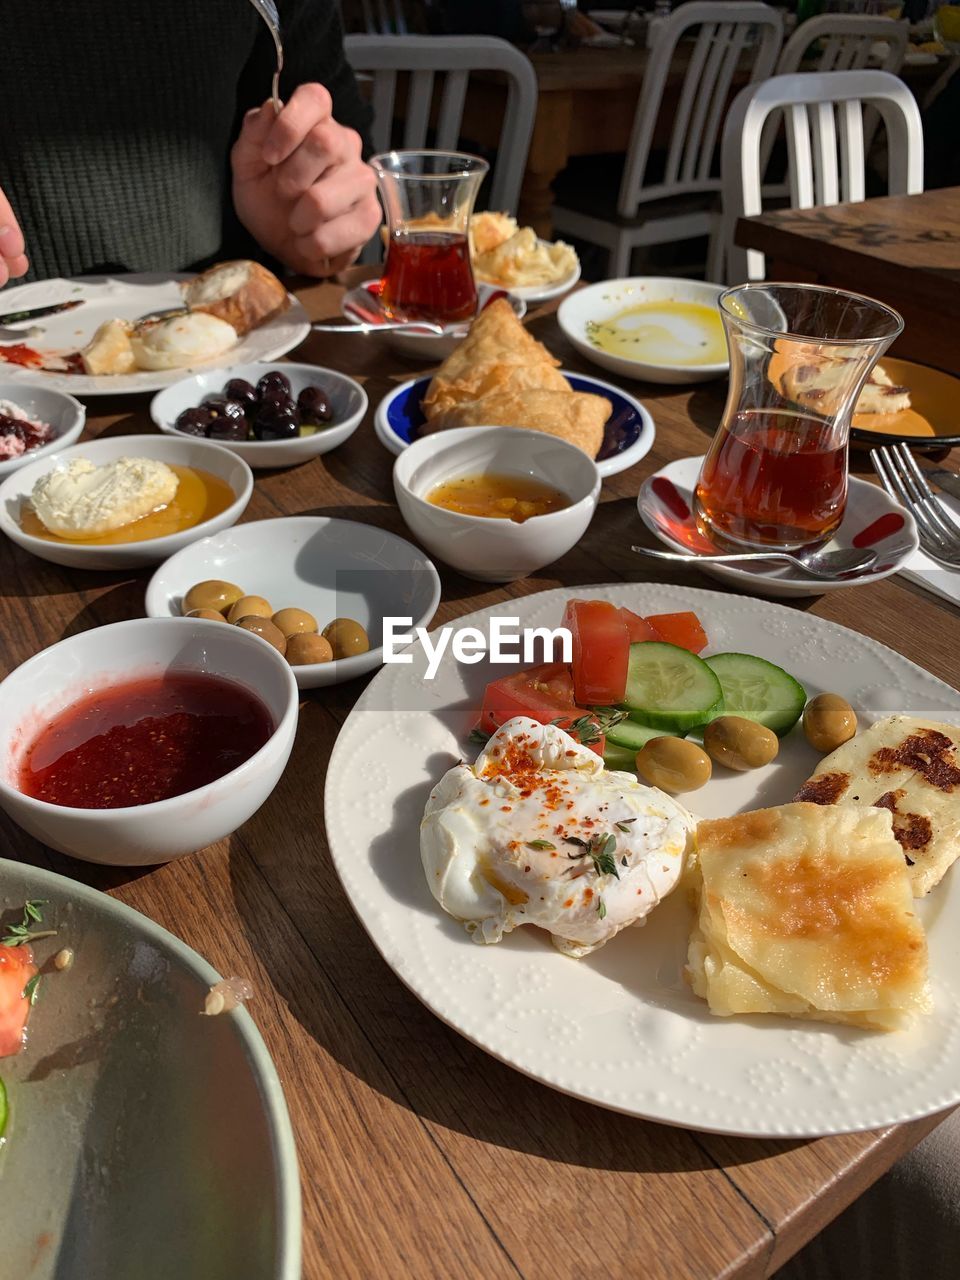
(144, 740)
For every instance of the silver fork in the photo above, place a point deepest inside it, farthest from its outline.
(938, 528)
(267, 10)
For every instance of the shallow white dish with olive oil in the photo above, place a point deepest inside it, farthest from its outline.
(649, 327)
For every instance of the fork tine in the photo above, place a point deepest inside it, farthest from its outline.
(893, 482)
(938, 528)
(938, 510)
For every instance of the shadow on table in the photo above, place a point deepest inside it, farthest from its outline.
(397, 1046)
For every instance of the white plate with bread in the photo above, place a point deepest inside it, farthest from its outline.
(142, 332)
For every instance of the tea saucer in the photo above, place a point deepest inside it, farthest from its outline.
(872, 519)
(362, 305)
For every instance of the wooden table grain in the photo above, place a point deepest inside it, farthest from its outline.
(904, 250)
(420, 1155)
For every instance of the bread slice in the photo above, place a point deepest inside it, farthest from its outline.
(807, 912)
(911, 768)
(243, 293)
(109, 350)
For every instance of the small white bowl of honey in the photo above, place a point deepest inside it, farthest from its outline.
(496, 503)
(212, 490)
(654, 328)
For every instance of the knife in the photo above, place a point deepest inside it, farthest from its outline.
(946, 480)
(14, 317)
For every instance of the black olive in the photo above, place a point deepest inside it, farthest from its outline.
(220, 407)
(229, 428)
(273, 379)
(274, 423)
(194, 421)
(314, 406)
(240, 389)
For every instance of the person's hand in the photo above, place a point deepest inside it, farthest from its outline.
(300, 186)
(13, 261)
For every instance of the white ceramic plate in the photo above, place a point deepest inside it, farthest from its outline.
(126, 297)
(598, 302)
(66, 415)
(185, 451)
(347, 399)
(361, 305)
(665, 503)
(621, 1028)
(124, 1096)
(628, 434)
(531, 293)
(331, 568)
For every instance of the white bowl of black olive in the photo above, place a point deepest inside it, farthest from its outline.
(271, 415)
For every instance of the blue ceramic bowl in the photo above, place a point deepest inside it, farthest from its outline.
(627, 436)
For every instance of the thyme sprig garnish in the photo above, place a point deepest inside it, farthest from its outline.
(601, 849)
(478, 735)
(590, 728)
(601, 907)
(19, 934)
(540, 844)
(32, 990)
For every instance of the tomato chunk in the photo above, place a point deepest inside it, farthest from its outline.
(601, 651)
(16, 970)
(682, 629)
(637, 628)
(543, 693)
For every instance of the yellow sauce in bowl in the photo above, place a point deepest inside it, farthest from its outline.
(200, 496)
(662, 333)
(498, 497)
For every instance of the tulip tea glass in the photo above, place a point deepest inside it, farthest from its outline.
(428, 197)
(776, 472)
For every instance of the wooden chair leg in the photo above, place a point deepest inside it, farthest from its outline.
(620, 257)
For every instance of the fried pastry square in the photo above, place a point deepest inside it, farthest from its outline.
(910, 767)
(806, 911)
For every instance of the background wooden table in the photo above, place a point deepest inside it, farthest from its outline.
(420, 1155)
(904, 250)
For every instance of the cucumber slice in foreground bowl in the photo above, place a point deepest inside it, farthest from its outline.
(670, 688)
(759, 690)
(632, 735)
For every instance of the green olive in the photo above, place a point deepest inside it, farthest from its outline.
(306, 648)
(740, 743)
(213, 615)
(293, 622)
(264, 628)
(249, 607)
(346, 637)
(212, 594)
(673, 764)
(829, 721)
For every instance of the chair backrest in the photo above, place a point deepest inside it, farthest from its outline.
(728, 31)
(823, 116)
(381, 17)
(423, 58)
(844, 42)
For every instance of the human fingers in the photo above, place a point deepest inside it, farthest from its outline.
(334, 194)
(246, 155)
(309, 105)
(12, 259)
(344, 234)
(324, 147)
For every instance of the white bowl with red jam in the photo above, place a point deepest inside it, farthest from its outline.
(211, 489)
(142, 741)
(35, 422)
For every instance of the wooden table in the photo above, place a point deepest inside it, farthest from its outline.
(904, 250)
(421, 1156)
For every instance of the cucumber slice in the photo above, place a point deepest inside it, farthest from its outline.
(632, 735)
(669, 688)
(758, 690)
(620, 758)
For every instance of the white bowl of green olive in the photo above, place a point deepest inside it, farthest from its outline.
(316, 588)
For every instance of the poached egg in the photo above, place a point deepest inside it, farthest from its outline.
(538, 832)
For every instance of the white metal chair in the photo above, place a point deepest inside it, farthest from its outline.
(453, 58)
(839, 42)
(683, 203)
(826, 160)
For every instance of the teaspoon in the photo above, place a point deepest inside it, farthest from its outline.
(816, 564)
